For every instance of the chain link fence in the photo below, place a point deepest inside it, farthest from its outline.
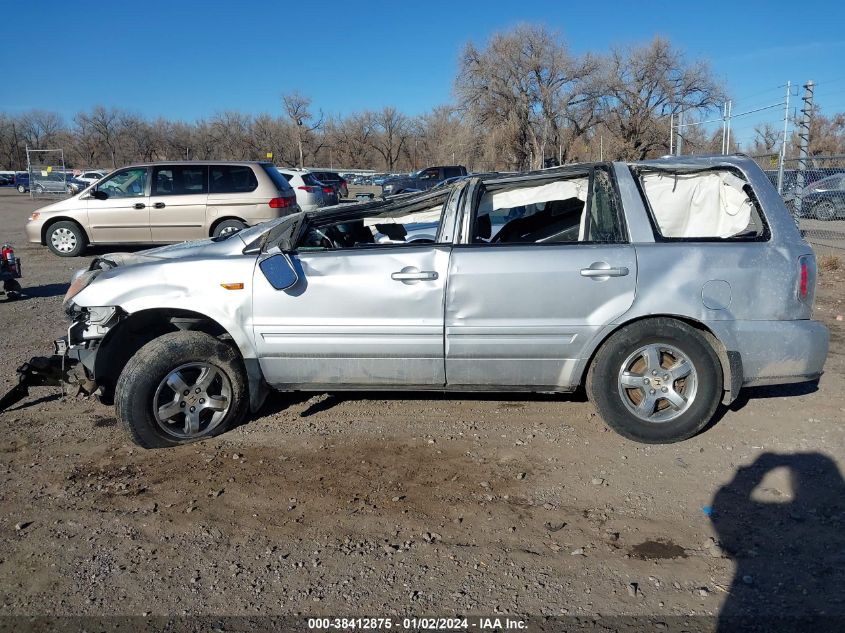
(47, 175)
(814, 191)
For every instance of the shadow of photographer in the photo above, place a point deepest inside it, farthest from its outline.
(782, 520)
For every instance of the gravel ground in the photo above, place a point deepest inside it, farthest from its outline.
(390, 504)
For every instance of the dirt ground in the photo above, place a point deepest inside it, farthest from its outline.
(397, 504)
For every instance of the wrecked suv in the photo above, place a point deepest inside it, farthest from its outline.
(664, 287)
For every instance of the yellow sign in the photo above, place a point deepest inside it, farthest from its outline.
(49, 168)
(269, 154)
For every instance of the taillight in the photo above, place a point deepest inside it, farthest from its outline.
(328, 190)
(804, 277)
(307, 188)
(282, 203)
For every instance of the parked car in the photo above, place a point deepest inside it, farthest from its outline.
(310, 193)
(84, 180)
(824, 199)
(48, 182)
(335, 180)
(422, 180)
(164, 202)
(663, 286)
(7, 179)
(22, 181)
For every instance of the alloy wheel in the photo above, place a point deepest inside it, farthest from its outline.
(192, 400)
(657, 383)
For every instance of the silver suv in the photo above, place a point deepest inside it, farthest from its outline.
(664, 287)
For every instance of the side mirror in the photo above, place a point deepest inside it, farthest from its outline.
(279, 271)
(99, 195)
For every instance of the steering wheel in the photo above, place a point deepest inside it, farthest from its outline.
(325, 240)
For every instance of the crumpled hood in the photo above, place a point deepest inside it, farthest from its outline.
(198, 248)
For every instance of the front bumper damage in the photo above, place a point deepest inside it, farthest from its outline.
(70, 367)
(57, 370)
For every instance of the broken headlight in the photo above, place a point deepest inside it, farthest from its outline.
(80, 280)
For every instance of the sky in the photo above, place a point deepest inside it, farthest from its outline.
(188, 59)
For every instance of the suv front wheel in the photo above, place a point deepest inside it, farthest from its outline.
(179, 388)
(656, 381)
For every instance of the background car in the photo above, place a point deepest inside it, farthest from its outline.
(824, 199)
(83, 180)
(52, 182)
(310, 192)
(335, 180)
(22, 181)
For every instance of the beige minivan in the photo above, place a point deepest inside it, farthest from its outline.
(164, 202)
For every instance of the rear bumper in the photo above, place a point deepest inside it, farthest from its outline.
(776, 352)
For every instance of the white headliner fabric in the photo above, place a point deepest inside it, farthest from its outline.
(429, 215)
(710, 204)
(558, 190)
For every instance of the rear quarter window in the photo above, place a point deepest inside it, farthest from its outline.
(232, 179)
(280, 180)
(705, 205)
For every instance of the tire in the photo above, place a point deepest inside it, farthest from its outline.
(228, 226)
(143, 390)
(825, 211)
(66, 239)
(38, 189)
(697, 394)
(21, 189)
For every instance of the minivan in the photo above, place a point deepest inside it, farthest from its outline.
(162, 203)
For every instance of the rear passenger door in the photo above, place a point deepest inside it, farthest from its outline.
(177, 202)
(543, 264)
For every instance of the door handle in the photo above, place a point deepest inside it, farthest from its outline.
(603, 269)
(158, 205)
(140, 205)
(421, 275)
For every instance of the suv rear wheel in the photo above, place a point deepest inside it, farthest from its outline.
(179, 388)
(656, 381)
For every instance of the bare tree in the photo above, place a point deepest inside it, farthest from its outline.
(39, 128)
(104, 125)
(528, 87)
(766, 139)
(644, 85)
(298, 109)
(390, 133)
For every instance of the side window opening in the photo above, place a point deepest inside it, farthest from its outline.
(180, 180)
(712, 204)
(558, 212)
(232, 179)
(416, 224)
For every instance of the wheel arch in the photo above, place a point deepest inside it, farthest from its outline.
(52, 221)
(223, 219)
(139, 328)
(730, 361)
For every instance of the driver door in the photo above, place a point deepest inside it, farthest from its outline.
(367, 309)
(124, 215)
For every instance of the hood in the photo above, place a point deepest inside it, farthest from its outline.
(71, 203)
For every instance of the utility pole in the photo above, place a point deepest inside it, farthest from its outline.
(803, 145)
(783, 142)
(728, 141)
(724, 125)
(671, 133)
(680, 143)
